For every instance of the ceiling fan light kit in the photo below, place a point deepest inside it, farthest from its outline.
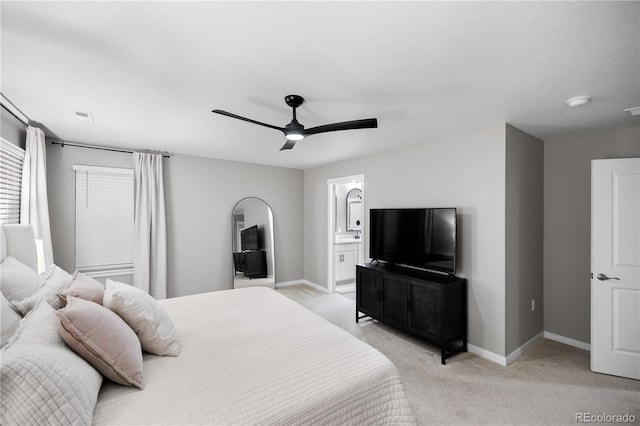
(294, 131)
(578, 101)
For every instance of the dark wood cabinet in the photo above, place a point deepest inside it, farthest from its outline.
(427, 305)
(393, 300)
(251, 263)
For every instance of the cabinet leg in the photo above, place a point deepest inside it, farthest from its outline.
(357, 318)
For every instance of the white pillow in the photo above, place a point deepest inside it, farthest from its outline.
(10, 321)
(17, 280)
(145, 316)
(44, 384)
(57, 281)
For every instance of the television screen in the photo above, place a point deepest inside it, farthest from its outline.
(423, 238)
(249, 238)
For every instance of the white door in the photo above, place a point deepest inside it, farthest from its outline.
(615, 267)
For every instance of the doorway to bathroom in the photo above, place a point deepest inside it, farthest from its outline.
(345, 233)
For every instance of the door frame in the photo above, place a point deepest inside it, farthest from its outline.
(331, 224)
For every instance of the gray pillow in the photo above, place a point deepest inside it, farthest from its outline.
(58, 280)
(44, 384)
(17, 280)
(38, 327)
(10, 321)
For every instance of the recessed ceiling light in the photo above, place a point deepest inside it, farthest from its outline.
(84, 116)
(633, 111)
(579, 100)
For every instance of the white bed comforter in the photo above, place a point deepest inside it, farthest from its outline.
(252, 356)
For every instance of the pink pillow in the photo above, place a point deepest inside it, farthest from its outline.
(85, 288)
(103, 339)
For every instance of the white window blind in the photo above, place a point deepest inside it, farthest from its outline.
(104, 218)
(11, 159)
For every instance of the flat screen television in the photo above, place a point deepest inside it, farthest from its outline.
(249, 238)
(422, 238)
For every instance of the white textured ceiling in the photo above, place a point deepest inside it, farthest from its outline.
(151, 72)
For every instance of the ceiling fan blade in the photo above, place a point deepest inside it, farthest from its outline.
(228, 114)
(289, 145)
(367, 123)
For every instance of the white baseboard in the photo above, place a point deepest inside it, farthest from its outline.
(522, 349)
(305, 282)
(502, 360)
(316, 286)
(488, 355)
(288, 283)
(567, 341)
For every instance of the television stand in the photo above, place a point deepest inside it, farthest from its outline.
(253, 264)
(432, 307)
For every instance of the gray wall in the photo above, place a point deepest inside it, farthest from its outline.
(200, 195)
(465, 171)
(567, 224)
(524, 230)
(12, 129)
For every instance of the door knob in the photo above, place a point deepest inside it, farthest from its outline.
(603, 277)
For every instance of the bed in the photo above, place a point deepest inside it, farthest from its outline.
(252, 356)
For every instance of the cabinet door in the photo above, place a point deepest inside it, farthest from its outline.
(425, 308)
(394, 300)
(338, 267)
(367, 294)
(256, 264)
(348, 265)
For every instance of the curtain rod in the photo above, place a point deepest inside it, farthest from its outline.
(6, 108)
(101, 148)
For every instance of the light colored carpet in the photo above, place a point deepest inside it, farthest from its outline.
(548, 385)
(346, 288)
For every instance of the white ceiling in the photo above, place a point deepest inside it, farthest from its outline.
(151, 72)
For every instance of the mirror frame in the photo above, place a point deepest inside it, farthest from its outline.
(348, 209)
(272, 245)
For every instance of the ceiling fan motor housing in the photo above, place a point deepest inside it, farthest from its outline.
(294, 101)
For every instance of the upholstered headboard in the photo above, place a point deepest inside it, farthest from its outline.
(19, 241)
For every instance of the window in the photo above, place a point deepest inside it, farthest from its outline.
(104, 219)
(11, 159)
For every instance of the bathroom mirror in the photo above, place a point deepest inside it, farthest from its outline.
(252, 244)
(354, 210)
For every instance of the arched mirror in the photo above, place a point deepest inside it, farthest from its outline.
(354, 211)
(252, 245)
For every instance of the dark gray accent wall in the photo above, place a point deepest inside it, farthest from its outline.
(523, 237)
(567, 224)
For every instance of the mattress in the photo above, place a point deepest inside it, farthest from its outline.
(252, 356)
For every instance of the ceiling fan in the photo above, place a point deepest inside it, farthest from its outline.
(294, 131)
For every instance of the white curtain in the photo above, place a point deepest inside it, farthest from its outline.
(34, 206)
(150, 240)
